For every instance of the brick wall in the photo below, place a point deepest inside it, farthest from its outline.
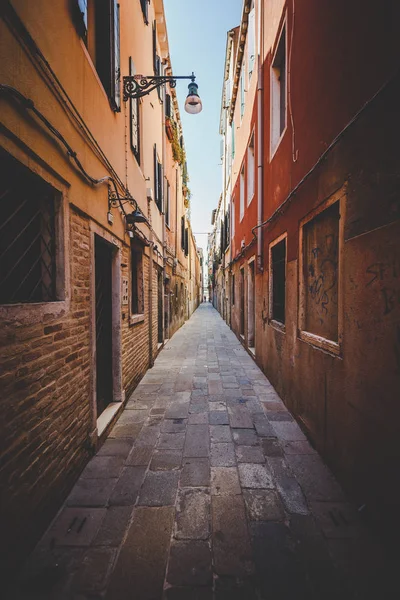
(44, 386)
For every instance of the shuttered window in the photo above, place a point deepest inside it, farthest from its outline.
(168, 112)
(137, 292)
(186, 241)
(145, 10)
(134, 107)
(158, 181)
(242, 96)
(183, 233)
(167, 205)
(251, 46)
(115, 91)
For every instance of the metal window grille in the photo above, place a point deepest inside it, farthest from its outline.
(27, 237)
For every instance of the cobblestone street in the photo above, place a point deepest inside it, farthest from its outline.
(205, 488)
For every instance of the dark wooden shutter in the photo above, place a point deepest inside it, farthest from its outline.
(156, 174)
(183, 233)
(79, 9)
(186, 241)
(134, 105)
(160, 186)
(168, 105)
(155, 47)
(115, 91)
(145, 10)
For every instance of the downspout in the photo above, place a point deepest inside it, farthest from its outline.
(163, 221)
(151, 247)
(260, 144)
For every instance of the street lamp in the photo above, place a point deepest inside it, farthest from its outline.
(137, 86)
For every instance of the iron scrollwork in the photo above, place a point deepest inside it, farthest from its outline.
(136, 86)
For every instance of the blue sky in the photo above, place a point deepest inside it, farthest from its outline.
(197, 40)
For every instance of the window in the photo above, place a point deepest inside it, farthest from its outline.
(158, 181)
(277, 276)
(186, 241)
(156, 58)
(251, 36)
(98, 24)
(183, 233)
(233, 139)
(167, 205)
(250, 170)
(168, 111)
(134, 106)
(242, 193)
(242, 90)
(233, 218)
(145, 10)
(233, 290)
(278, 92)
(28, 236)
(137, 292)
(320, 273)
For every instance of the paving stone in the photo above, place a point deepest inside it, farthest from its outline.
(223, 455)
(239, 418)
(292, 495)
(198, 418)
(159, 488)
(128, 486)
(166, 460)
(274, 405)
(235, 588)
(271, 447)
(280, 416)
(171, 441)
(113, 447)
(140, 456)
(215, 387)
(288, 431)
(189, 564)
(314, 477)
(188, 593)
(231, 542)
(141, 565)
(192, 514)
(76, 526)
(279, 574)
(128, 431)
(114, 525)
(91, 492)
(254, 476)
(249, 454)
(177, 410)
(337, 520)
(173, 425)
(129, 417)
(225, 481)
(245, 437)
(198, 407)
(220, 433)
(195, 472)
(263, 505)
(254, 406)
(149, 435)
(263, 426)
(95, 570)
(219, 417)
(103, 467)
(216, 398)
(197, 442)
(298, 448)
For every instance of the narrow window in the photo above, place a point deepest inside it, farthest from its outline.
(167, 205)
(28, 236)
(233, 218)
(186, 241)
(134, 105)
(233, 290)
(278, 91)
(251, 36)
(158, 181)
(168, 111)
(137, 295)
(250, 170)
(183, 233)
(242, 90)
(242, 192)
(320, 274)
(278, 281)
(145, 10)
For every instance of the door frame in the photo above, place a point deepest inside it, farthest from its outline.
(100, 422)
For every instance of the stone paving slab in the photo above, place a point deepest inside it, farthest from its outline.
(206, 489)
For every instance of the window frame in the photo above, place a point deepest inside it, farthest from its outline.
(335, 348)
(168, 205)
(242, 191)
(132, 102)
(276, 141)
(145, 10)
(136, 317)
(252, 144)
(281, 326)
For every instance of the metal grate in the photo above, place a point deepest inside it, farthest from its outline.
(27, 236)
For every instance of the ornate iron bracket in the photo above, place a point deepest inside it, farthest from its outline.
(137, 86)
(115, 200)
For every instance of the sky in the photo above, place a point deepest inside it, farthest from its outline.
(197, 33)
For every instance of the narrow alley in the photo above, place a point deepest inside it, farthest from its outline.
(205, 488)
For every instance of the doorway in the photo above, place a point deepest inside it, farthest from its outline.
(241, 324)
(103, 297)
(251, 307)
(160, 294)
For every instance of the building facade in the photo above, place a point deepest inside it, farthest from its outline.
(89, 293)
(314, 251)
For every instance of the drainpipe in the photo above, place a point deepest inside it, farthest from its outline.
(163, 219)
(151, 247)
(260, 145)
